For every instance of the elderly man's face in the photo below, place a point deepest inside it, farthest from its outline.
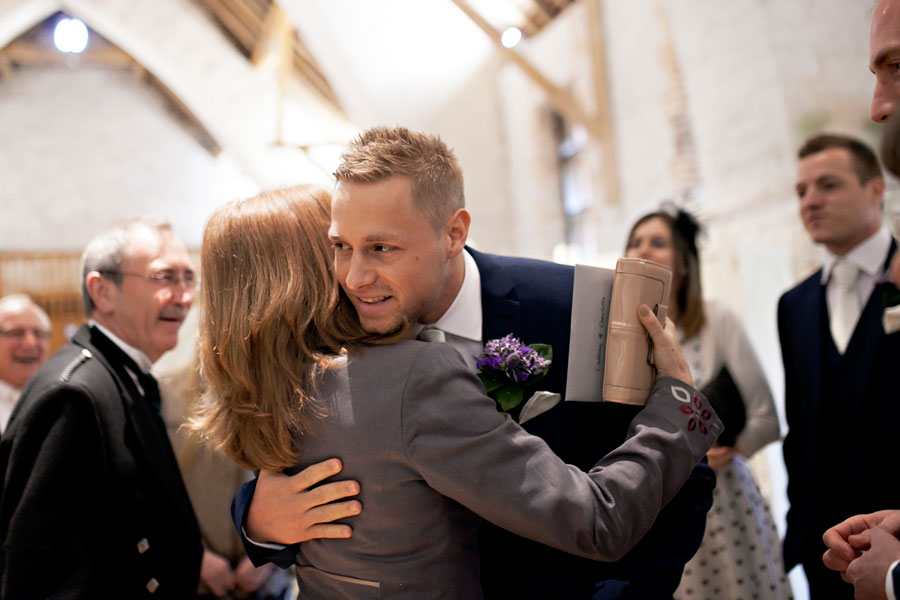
(24, 336)
(147, 309)
(884, 59)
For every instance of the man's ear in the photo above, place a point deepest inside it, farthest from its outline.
(876, 190)
(457, 231)
(102, 292)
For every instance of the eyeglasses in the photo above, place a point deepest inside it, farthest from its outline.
(164, 278)
(20, 333)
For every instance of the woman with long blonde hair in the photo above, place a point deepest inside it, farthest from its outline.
(294, 380)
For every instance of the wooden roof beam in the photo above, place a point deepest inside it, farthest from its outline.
(562, 100)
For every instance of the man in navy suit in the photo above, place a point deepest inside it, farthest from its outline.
(839, 364)
(406, 277)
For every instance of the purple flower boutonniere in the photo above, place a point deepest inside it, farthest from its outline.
(507, 367)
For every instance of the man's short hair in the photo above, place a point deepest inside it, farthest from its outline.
(108, 250)
(865, 162)
(14, 303)
(434, 173)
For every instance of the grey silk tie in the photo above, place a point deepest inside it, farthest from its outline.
(846, 308)
(432, 334)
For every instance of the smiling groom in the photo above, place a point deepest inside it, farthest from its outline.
(399, 226)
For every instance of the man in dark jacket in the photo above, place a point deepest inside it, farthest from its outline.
(92, 504)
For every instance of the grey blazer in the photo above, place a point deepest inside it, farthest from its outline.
(434, 456)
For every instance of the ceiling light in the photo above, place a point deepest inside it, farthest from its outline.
(70, 35)
(511, 37)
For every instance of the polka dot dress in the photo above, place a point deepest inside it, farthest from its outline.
(740, 557)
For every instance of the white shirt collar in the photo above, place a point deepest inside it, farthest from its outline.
(463, 318)
(142, 360)
(868, 255)
(8, 391)
(8, 397)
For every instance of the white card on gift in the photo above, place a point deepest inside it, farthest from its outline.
(591, 298)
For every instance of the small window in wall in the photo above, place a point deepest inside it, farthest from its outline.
(575, 185)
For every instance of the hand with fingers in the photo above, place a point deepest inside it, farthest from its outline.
(868, 572)
(719, 456)
(666, 349)
(287, 509)
(841, 551)
(248, 579)
(216, 573)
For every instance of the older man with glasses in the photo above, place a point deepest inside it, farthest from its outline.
(92, 504)
(24, 335)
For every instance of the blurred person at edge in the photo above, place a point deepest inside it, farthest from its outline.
(865, 548)
(24, 337)
(740, 556)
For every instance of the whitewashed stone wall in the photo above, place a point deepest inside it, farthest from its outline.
(84, 147)
(54, 197)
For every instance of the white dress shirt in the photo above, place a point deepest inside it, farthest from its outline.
(140, 359)
(889, 582)
(8, 397)
(869, 257)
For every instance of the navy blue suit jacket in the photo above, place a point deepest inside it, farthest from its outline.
(868, 445)
(533, 300)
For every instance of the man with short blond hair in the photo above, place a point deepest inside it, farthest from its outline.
(432, 169)
(24, 336)
(399, 273)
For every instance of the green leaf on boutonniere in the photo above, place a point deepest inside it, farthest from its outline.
(510, 397)
(491, 381)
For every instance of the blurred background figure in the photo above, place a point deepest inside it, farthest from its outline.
(741, 551)
(24, 335)
(211, 479)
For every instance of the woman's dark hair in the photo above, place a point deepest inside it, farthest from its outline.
(686, 278)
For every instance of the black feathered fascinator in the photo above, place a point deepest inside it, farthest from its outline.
(686, 224)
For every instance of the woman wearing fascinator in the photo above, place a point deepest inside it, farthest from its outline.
(740, 556)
